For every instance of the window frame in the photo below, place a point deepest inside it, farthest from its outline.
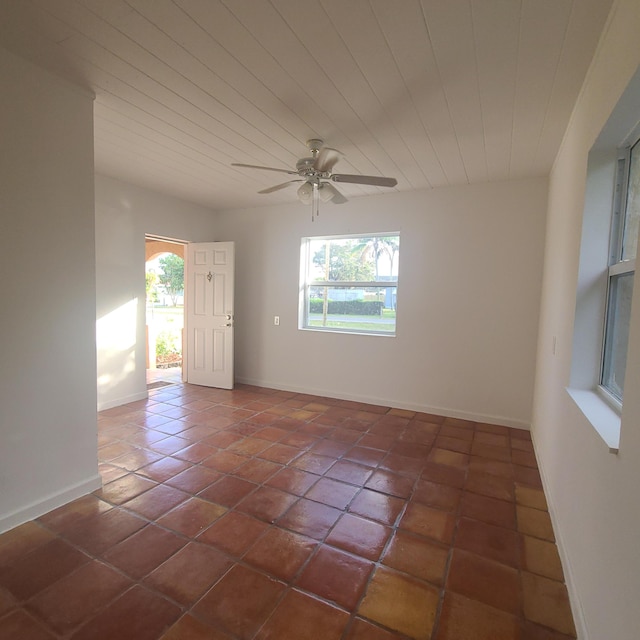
(306, 283)
(592, 277)
(618, 265)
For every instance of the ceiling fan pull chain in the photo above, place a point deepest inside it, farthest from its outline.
(315, 208)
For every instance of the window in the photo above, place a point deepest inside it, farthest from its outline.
(622, 263)
(610, 222)
(350, 283)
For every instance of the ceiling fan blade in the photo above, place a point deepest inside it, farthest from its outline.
(376, 181)
(255, 166)
(327, 158)
(277, 187)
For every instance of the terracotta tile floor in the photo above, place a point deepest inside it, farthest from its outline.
(258, 514)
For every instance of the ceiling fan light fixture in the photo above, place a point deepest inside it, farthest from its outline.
(305, 193)
(327, 192)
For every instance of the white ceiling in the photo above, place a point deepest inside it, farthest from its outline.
(431, 92)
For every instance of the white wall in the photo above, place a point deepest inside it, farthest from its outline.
(592, 493)
(124, 214)
(468, 295)
(48, 429)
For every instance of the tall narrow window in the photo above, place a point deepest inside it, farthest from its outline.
(350, 283)
(622, 265)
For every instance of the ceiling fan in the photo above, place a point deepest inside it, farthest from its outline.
(315, 174)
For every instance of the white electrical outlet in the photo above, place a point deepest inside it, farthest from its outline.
(276, 320)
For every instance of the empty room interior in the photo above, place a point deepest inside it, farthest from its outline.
(409, 400)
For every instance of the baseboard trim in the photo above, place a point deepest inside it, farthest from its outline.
(50, 502)
(377, 400)
(109, 404)
(574, 598)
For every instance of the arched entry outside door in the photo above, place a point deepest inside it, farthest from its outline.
(164, 316)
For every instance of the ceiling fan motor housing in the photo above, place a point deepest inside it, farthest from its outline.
(305, 164)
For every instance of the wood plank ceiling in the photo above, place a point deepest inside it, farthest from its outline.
(431, 92)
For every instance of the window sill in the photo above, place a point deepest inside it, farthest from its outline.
(602, 417)
(386, 334)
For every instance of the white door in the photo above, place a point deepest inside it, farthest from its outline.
(209, 313)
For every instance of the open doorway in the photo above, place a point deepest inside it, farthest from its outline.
(164, 277)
